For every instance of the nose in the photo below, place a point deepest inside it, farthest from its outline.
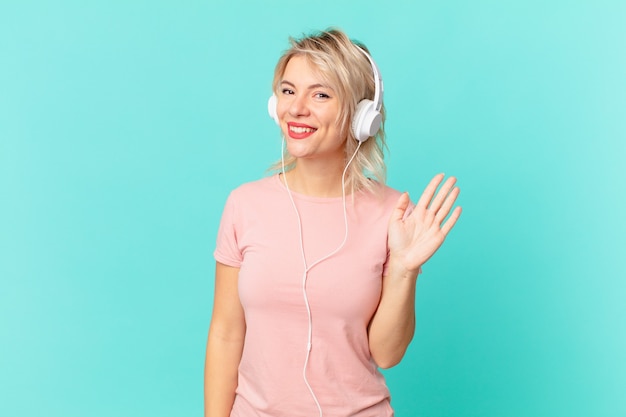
(298, 106)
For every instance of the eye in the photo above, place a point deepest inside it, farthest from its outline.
(287, 91)
(322, 95)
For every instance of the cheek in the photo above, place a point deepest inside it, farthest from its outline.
(336, 124)
(280, 110)
(334, 118)
(283, 103)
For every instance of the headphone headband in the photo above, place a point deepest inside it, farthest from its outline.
(378, 80)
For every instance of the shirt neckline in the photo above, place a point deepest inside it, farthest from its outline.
(328, 200)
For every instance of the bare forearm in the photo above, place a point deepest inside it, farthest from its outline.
(220, 375)
(393, 325)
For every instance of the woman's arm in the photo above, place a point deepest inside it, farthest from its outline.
(392, 327)
(412, 240)
(224, 345)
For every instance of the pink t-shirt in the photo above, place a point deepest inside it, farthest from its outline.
(259, 234)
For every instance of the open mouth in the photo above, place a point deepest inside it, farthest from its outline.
(300, 131)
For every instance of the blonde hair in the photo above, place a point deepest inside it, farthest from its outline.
(343, 65)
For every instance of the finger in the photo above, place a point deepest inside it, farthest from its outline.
(447, 205)
(401, 205)
(429, 192)
(442, 194)
(449, 224)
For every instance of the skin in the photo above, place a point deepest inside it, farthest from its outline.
(307, 110)
(224, 345)
(305, 100)
(412, 241)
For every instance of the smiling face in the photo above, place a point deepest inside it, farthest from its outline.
(308, 109)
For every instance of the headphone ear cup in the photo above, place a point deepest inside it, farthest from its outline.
(271, 108)
(366, 120)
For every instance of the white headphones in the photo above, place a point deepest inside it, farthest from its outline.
(367, 117)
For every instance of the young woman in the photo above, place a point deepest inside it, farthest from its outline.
(317, 264)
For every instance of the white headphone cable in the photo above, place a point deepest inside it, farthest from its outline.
(308, 268)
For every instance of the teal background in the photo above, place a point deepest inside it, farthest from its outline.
(124, 125)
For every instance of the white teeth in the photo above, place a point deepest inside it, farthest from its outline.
(296, 129)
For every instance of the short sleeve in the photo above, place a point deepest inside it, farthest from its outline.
(227, 249)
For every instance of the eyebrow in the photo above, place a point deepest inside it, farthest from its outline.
(311, 87)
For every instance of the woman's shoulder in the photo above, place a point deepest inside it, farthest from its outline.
(381, 193)
(257, 189)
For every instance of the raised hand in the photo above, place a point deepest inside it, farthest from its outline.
(415, 237)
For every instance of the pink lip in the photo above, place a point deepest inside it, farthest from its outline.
(299, 135)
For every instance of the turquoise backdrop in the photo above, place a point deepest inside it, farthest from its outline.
(124, 125)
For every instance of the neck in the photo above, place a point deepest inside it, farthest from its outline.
(315, 179)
